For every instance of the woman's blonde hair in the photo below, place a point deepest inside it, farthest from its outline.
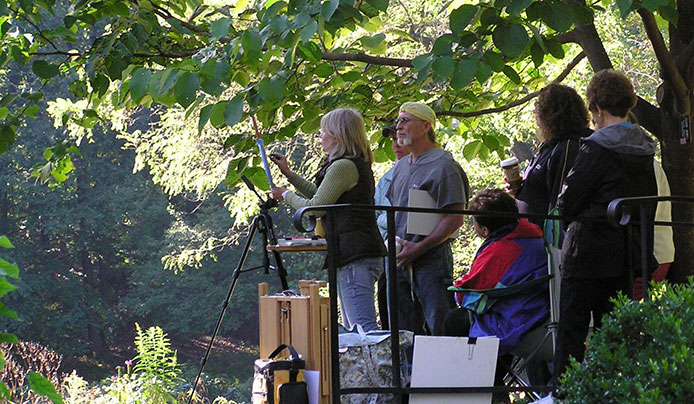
(347, 126)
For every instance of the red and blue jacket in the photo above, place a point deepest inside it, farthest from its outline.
(509, 256)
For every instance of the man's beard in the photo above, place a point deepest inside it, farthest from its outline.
(404, 141)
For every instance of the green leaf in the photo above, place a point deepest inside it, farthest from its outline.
(308, 31)
(217, 114)
(472, 149)
(443, 67)
(44, 69)
(517, 6)
(43, 387)
(4, 392)
(491, 142)
(257, 177)
(372, 42)
(32, 110)
(555, 48)
(6, 137)
(219, 29)
(6, 287)
(204, 116)
(9, 338)
(464, 73)
(537, 54)
(494, 60)
(5, 242)
(186, 88)
(510, 39)
(323, 70)
(5, 311)
(461, 17)
(624, 7)
(162, 82)
(557, 16)
(511, 74)
(299, 20)
(328, 9)
(252, 45)
(310, 51)
(100, 84)
(484, 72)
(138, 84)
(669, 13)
(271, 90)
(421, 62)
(582, 14)
(233, 111)
(442, 46)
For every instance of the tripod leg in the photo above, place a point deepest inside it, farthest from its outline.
(234, 278)
(270, 234)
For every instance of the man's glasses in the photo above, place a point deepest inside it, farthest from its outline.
(404, 121)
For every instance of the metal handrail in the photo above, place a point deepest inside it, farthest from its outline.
(619, 213)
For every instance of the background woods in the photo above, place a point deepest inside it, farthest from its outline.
(124, 132)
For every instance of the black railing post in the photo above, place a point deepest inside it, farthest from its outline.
(646, 226)
(392, 296)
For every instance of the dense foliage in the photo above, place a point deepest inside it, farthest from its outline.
(642, 354)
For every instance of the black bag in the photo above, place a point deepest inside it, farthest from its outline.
(282, 379)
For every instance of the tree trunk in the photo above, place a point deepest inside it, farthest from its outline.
(678, 158)
(664, 123)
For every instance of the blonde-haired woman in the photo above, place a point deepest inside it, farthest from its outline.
(345, 177)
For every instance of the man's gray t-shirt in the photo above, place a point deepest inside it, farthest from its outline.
(435, 172)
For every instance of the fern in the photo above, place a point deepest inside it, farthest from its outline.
(155, 365)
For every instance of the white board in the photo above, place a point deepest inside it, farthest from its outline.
(423, 223)
(452, 362)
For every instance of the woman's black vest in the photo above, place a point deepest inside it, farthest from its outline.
(357, 234)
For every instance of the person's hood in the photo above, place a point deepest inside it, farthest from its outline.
(631, 145)
(625, 138)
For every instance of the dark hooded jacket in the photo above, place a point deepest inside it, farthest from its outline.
(614, 162)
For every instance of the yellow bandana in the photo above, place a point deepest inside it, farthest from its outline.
(421, 111)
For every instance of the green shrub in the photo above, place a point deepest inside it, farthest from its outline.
(643, 354)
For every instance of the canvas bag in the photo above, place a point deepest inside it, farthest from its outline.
(365, 361)
(280, 381)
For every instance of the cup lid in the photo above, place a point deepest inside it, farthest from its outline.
(509, 162)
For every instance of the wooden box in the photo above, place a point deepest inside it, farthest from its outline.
(301, 321)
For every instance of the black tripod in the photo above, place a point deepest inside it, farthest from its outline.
(261, 223)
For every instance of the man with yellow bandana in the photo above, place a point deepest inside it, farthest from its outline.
(425, 263)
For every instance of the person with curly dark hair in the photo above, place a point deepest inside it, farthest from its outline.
(616, 161)
(562, 119)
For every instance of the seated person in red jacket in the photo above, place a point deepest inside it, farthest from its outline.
(512, 253)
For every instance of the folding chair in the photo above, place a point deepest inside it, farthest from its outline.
(536, 344)
(540, 343)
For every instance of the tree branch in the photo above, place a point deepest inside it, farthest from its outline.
(568, 37)
(667, 63)
(374, 60)
(58, 52)
(516, 103)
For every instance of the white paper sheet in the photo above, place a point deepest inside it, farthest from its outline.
(452, 362)
(423, 223)
(313, 385)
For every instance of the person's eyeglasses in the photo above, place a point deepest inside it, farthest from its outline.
(404, 121)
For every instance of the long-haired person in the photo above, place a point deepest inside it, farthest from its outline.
(562, 120)
(345, 177)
